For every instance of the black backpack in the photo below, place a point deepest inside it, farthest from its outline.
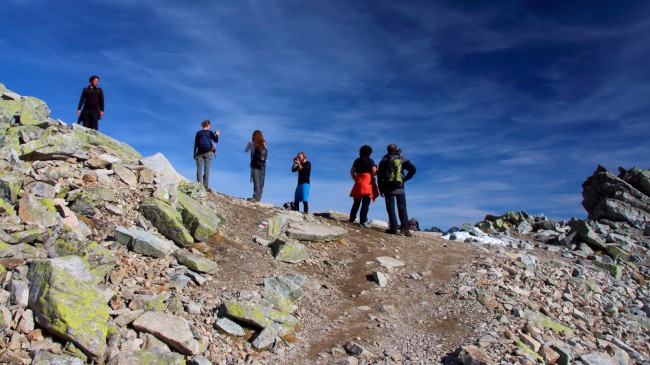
(205, 142)
(259, 157)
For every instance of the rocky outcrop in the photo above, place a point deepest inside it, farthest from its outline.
(619, 199)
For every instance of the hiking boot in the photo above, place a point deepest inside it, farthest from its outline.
(391, 231)
(365, 225)
(406, 232)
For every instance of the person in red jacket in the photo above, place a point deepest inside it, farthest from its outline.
(363, 173)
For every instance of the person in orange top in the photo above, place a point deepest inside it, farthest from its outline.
(363, 173)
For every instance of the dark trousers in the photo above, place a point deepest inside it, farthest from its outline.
(365, 204)
(257, 175)
(401, 209)
(90, 118)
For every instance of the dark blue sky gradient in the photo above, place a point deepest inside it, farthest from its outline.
(502, 105)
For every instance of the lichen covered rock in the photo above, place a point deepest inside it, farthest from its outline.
(67, 302)
(200, 220)
(167, 220)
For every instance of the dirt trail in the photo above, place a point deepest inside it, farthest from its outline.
(341, 302)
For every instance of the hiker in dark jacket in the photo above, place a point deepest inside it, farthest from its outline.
(256, 145)
(203, 150)
(91, 104)
(391, 186)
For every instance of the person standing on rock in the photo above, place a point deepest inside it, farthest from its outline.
(303, 167)
(257, 148)
(91, 104)
(203, 150)
(363, 173)
(391, 186)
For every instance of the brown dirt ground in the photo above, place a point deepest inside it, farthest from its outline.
(341, 303)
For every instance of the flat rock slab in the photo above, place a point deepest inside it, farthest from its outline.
(170, 329)
(389, 262)
(312, 231)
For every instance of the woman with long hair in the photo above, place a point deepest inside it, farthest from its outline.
(257, 148)
(363, 173)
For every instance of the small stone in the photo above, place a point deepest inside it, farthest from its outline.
(379, 278)
(230, 327)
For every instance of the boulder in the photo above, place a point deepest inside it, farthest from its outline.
(100, 259)
(67, 302)
(287, 285)
(39, 211)
(316, 232)
(125, 174)
(202, 223)
(606, 196)
(167, 220)
(472, 355)
(162, 167)
(9, 187)
(196, 262)
(143, 242)
(638, 178)
(230, 327)
(289, 251)
(170, 329)
(260, 316)
(587, 234)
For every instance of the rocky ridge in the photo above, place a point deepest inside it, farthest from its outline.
(108, 257)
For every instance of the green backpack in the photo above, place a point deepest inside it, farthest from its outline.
(394, 173)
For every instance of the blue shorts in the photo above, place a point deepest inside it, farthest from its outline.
(302, 193)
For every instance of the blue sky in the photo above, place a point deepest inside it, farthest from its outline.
(501, 105)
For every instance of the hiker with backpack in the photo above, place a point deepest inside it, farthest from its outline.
(257, 148)
(204, 150)
(91, 104)
(303, 167)
(363, 173)
(391, 179)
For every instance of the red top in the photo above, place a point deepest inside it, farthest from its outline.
(364, 184)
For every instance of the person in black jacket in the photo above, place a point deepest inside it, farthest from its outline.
(303, 167)
(91, 104)
(203, 149)
(391, 181)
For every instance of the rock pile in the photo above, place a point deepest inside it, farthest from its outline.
(103, 254)
(593, 304)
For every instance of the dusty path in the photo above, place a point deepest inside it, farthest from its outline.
(405, 320)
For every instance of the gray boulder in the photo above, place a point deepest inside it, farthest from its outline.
(606, 196)
(170, 329)
(162, 167)
(200, 220)
(196, 262)
(67, 302)
(143, 242)
(289, 251)
(167, 220)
